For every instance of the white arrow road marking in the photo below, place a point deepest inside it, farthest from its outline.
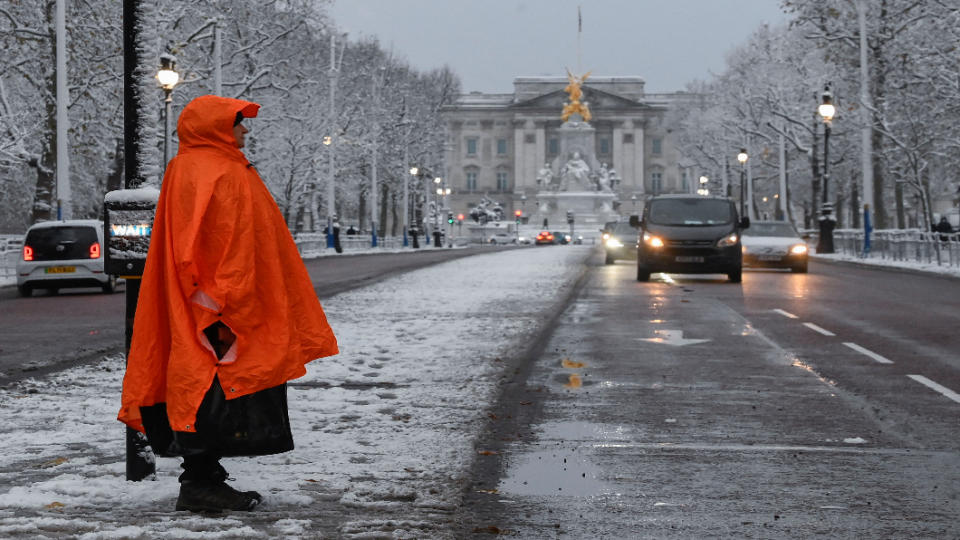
(816, 328)
(672, 337)
(868, 352)
(935, 386)
(785, 313)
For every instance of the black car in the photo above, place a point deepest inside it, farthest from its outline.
(689, 234)
(619, 242)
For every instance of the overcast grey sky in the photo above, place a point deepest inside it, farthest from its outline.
(489, 42)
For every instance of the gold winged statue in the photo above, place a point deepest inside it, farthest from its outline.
(573, 89)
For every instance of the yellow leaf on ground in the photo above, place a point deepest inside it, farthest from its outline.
(55, 504)
(568, 363)
(575, 381)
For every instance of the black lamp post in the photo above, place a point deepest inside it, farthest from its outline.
(827, 220)
(742, 157)
(168, 78)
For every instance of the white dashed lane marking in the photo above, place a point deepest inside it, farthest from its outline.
(935, 386)
(816, 328)
(868, 352)
(785, 313)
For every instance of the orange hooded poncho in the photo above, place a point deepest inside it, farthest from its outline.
(219, 251)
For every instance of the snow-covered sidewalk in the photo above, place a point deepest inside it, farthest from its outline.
(385, 431)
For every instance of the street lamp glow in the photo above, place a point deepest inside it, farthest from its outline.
(327, 140)
(437, 180)
(167, 75)
(414, 171)
(439, 191)
(826, 108)
(704, 179)
(742, 157)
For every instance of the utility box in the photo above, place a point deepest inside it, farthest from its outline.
(128, 222)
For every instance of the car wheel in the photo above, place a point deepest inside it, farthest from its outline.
(802, 269)
(25, 290)
(736, 276)
(643, 274)
(110, 285)
(608, 260)
(54, 290)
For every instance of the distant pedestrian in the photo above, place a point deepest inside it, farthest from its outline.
(351, 231)
(943, 226)
(227, 313)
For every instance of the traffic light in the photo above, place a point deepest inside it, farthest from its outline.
(450, 218)
(518, 214)
(569, 216)
(460, 218)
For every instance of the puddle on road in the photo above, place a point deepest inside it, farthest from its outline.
(555, 472)
(567, 469)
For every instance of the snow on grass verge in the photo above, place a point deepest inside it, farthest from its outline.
(384, 431)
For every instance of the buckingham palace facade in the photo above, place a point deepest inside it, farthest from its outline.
(497, 143)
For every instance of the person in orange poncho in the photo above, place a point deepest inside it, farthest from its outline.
(227, 313)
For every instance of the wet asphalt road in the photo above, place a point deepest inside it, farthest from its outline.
(791, 406)
(46, 333)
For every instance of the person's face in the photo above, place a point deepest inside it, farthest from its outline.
(239, 131)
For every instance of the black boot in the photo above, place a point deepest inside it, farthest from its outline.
(203, 487)
(198, 496)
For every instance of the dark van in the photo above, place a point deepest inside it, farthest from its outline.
(689, 234)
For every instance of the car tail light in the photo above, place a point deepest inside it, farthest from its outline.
(27, 253)
(95, 250)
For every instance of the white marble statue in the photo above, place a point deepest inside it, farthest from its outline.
(575, 174)
(545, 176)
(603, 179)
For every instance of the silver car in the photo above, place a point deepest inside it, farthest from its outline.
(61, 254)
(774, 244)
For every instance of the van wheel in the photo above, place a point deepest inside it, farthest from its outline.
(736, 276)
(643, 274)
(110, 285)
(608, 260)
(25, 291)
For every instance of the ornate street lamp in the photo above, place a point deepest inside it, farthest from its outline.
(827, 221)
(703, 190)
(168, 78)
(742, 157)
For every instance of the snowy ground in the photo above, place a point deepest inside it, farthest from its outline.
(932, 268)
(384, 431)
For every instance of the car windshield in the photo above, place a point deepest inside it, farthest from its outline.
(690, 212)
(61, 243)
(624, 229)
(770, 229)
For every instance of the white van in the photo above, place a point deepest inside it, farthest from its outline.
(61, 254)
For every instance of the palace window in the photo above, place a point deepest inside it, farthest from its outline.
(656, 182)
(553, 147)
(657, 144)
(604, 146)
(471, 180)
(501, 147)
(472, 146)
(502, 181)
(684, 181)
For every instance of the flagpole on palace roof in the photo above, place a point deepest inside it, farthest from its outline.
(579, 31)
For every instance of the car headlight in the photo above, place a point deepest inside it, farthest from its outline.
(606, 235)
(798, 249)
(614, 243)
(652, 241)
(729, 240)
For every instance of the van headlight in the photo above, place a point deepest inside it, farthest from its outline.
(729, 240)
(613, 242)
(652, 241)
(798, 249)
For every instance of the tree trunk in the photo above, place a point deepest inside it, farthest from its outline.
(382, 211)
